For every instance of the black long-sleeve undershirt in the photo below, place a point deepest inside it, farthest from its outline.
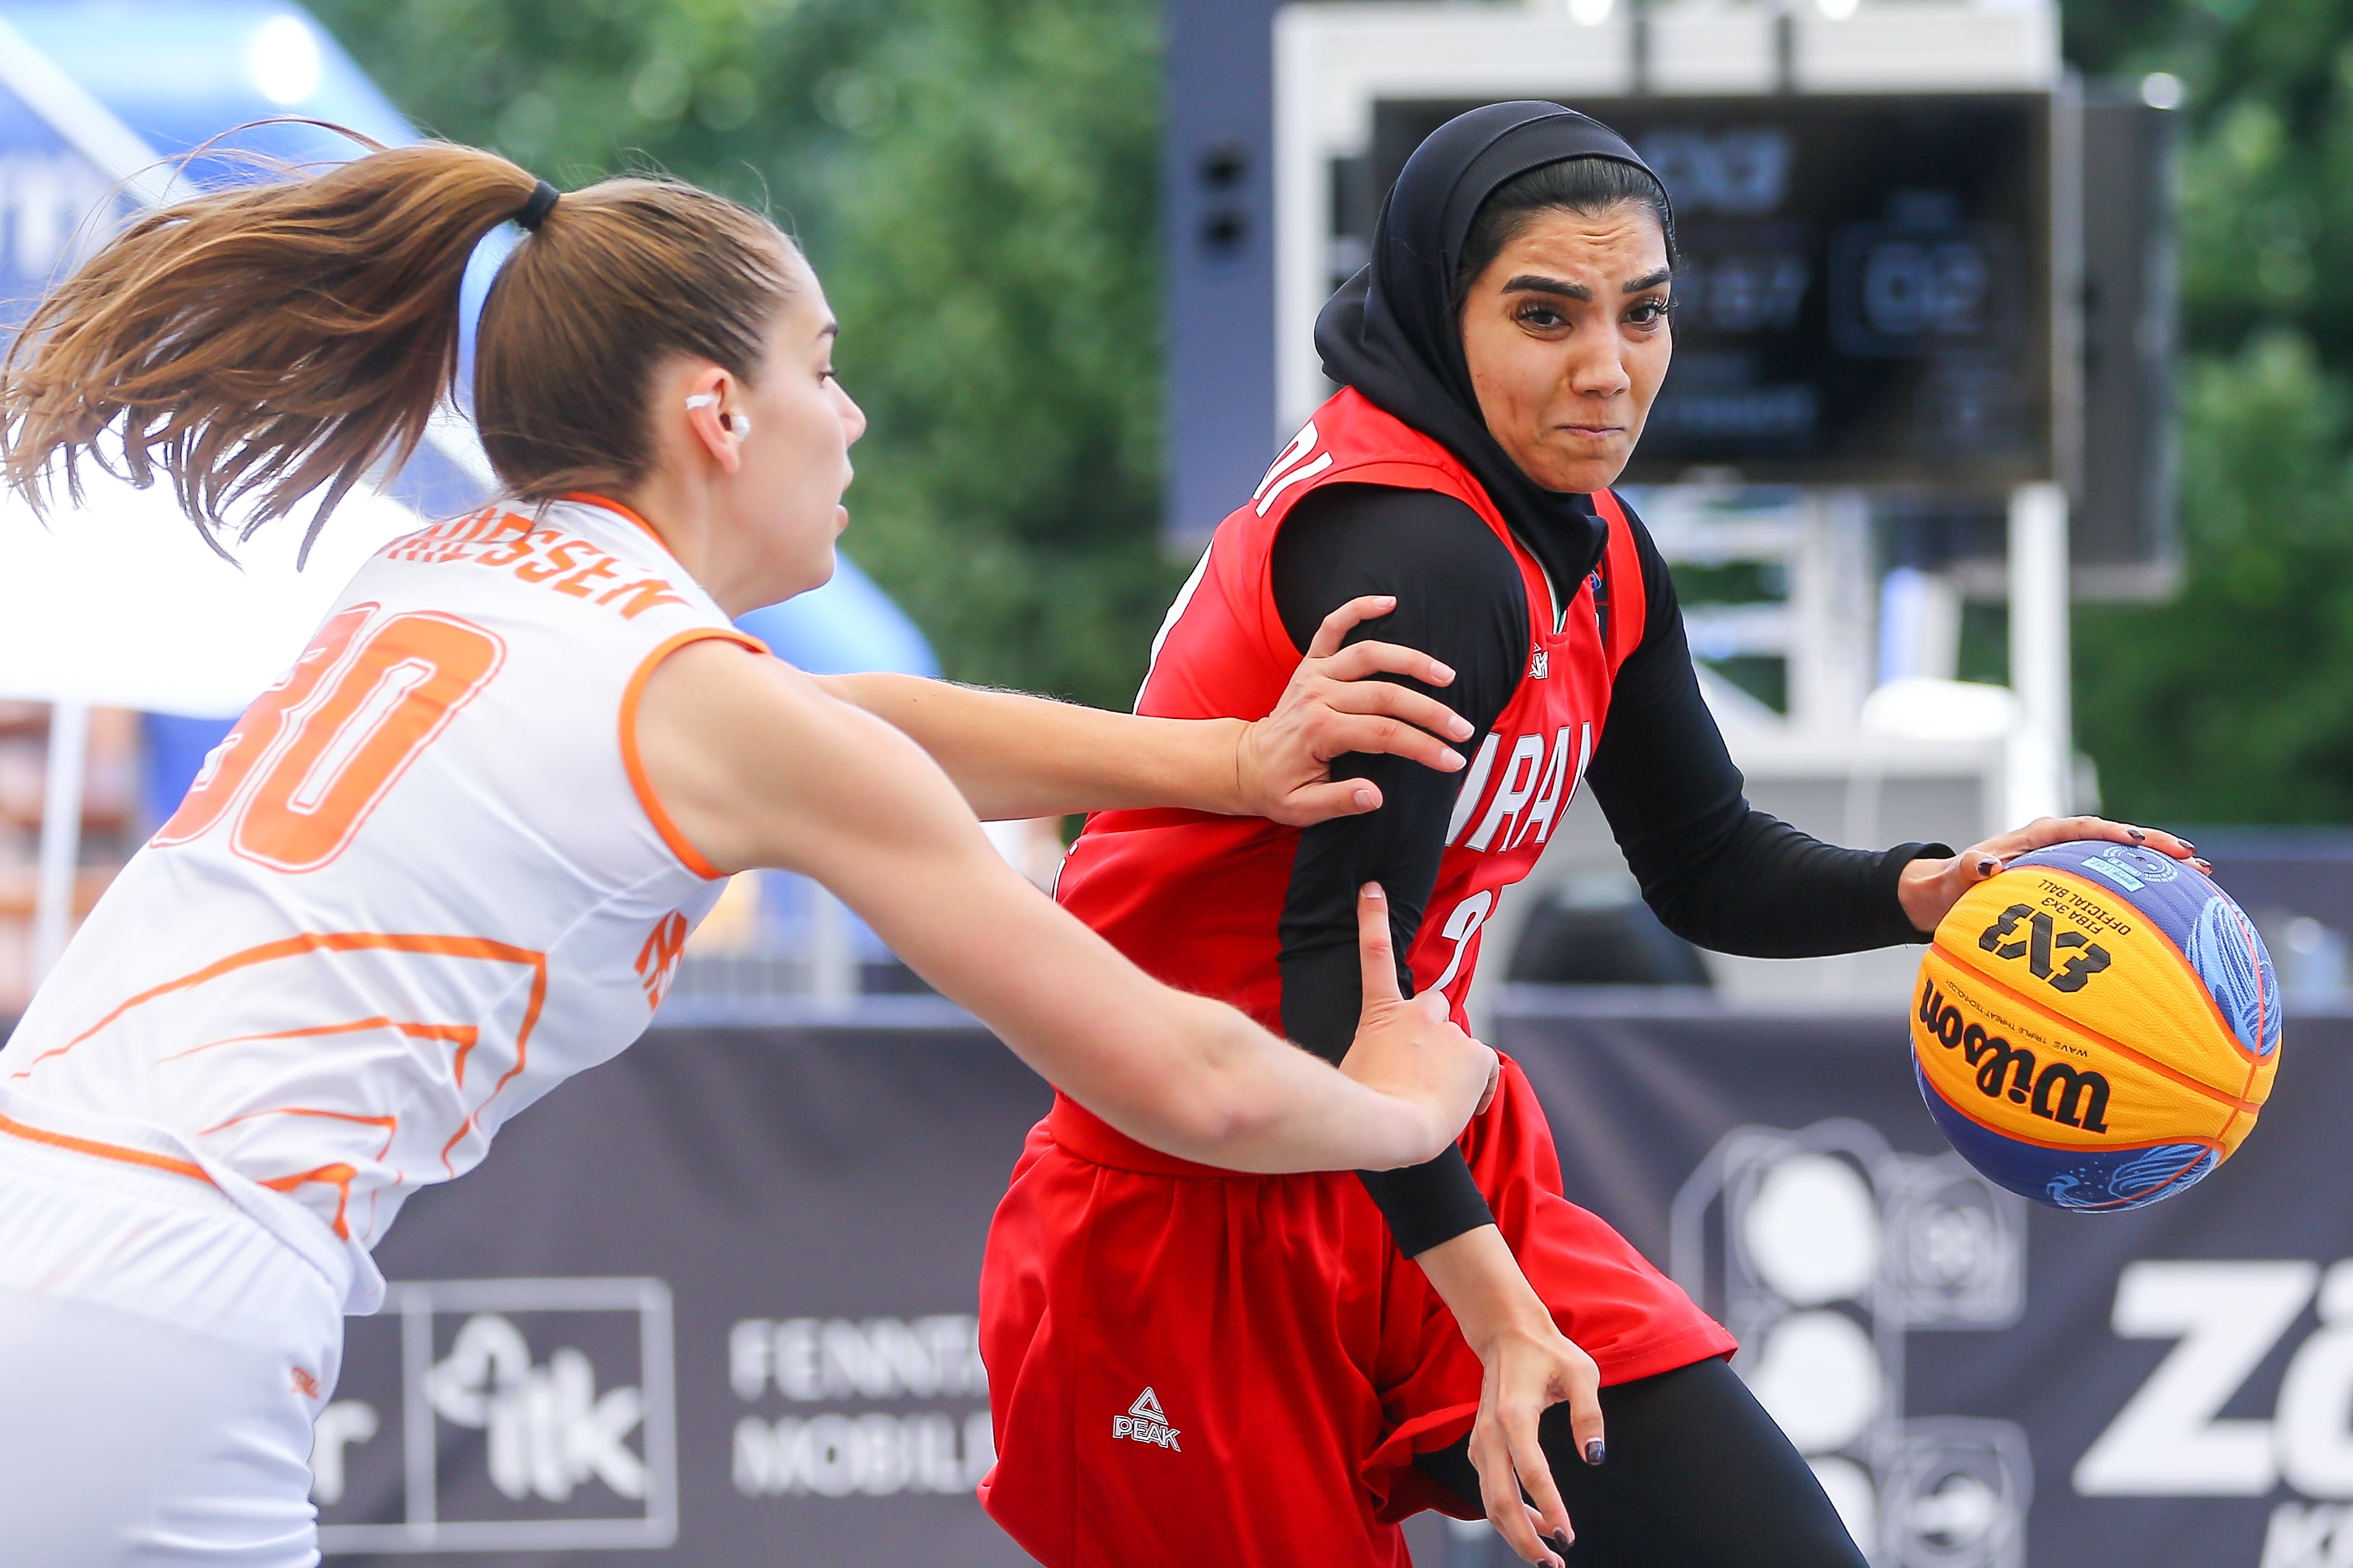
(1717, 872)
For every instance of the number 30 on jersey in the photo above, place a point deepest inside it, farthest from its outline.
(316, 752)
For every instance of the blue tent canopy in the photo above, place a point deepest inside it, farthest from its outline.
(184, 74)
(846, 625)
(181, 72)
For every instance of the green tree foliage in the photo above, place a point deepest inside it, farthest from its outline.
(2235, 702)
(973, 181)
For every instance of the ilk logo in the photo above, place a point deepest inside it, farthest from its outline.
(1145, 1422)
(503, 1415)
(550, 1431)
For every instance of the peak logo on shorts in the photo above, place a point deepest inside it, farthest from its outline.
(1146, 1423)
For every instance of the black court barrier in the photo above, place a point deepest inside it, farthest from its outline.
(712, 1304)
(1981, 1381)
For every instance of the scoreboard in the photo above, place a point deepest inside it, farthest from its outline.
(1866, 287)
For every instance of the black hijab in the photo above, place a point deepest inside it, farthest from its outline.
(1392, 333)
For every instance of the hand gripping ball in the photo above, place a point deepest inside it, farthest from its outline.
(2097, 1027)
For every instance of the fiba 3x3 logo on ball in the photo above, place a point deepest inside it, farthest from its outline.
(2097, 1026)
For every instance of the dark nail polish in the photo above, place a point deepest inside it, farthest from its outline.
(1986, 866)
(2186, 844)
(2138, 836)
(1595, 1453)
(1559, 1541)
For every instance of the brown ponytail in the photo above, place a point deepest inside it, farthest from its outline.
(259, 344)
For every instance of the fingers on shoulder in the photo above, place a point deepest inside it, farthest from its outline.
(1344, 620)
(1361, 660)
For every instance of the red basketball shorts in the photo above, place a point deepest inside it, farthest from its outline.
(1188, 1367)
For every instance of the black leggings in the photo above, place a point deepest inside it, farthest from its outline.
(1697, 1477)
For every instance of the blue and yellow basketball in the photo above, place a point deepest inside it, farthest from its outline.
(2097, 1027)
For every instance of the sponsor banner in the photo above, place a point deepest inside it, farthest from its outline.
(1981, 1381)
(713, 1302)
(508, 1383)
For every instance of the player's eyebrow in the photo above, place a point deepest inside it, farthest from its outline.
(1537, 284)
(1652, 280)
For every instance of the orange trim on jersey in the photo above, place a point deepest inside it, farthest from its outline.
(358, 941)
(332, 941)
(590, 498)
(338, 1176)
(104, 1151)
(391, 1124)
(465, 1035)
(690, 857)
(2221, 1096)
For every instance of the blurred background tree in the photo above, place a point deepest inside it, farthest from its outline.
(2235, 702)
(973, 180)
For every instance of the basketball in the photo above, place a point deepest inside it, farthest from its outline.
(2097, 1027)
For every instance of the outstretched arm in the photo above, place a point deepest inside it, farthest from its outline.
(1722, 873)
(755, 766)
(1018, 756)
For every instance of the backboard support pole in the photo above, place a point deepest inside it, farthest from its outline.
(53, 900)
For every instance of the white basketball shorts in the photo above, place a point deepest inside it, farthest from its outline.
(162, 1358)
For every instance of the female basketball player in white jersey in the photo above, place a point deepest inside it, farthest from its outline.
(452, 856)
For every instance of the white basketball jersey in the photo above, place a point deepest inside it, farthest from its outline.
(422, 882)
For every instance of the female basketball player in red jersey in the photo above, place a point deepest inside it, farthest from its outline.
(453, 856)
(1190, 1366)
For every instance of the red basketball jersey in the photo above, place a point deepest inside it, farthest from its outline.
(1195, 898)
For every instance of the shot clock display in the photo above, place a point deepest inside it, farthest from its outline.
(1865, 291)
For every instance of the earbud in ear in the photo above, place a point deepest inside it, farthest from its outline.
(736, 425)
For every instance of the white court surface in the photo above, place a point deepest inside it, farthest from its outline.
(120, 603)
